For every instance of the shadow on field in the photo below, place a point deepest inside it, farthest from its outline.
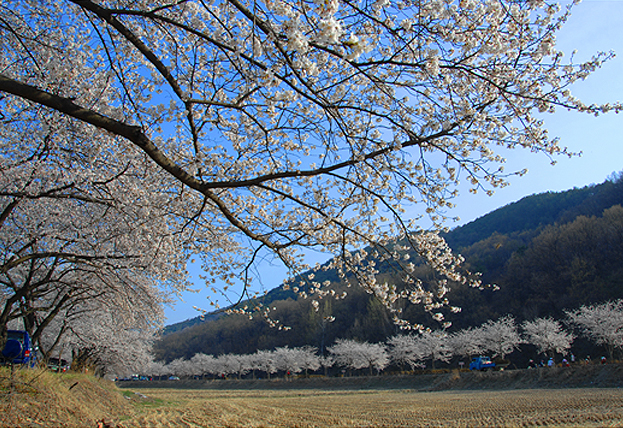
(580, 376)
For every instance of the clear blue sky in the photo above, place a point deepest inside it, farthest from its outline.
(596, 25)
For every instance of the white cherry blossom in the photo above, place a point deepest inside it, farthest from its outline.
(230, 129)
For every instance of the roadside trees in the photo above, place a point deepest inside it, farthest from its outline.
(241, 364)
(155, 369)
(355, 355)
(265, 361)
(467, 342)
(287, 360)
(603, 324)
(282, 126)
(501, 336)
(78, 230)
(227, 364)
(295, 360)
(100, 339)
(548, 336)
(203, 364)
(404, 349)
(309, 358)
(181, 367)
(434, 345)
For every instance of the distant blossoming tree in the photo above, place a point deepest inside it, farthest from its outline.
(204, 364)
(603, 324)
(134, 134)
(296, 360)
(501, 336)
(265, 361)
(547, 335)
(403, 349)
(180, 367)
(468, 342)
(309, 358)
(434, 346)
(355, 355)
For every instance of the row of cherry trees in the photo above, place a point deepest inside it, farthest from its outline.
(135, 135)
(602, 324)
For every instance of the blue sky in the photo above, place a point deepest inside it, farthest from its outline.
(596, 25)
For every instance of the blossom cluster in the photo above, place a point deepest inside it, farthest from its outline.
(233, 129)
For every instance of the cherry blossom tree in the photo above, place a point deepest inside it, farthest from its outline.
(255, 363)
(326, 362)
(154, 369)
(181, 367)
(376, 356)
(226, 364)
(287, 360)
(265, 361)
(241, 364)
(467, 342)
(100, 339)
(204, 364)
(547, 335)
(76, 227)
(501, 336)
(308, 358)
(357, 355)
(601, 323)
(282, 126)
(434, 345)
(404, 349)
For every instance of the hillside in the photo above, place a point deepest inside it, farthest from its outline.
(532, 213)
(547, 253)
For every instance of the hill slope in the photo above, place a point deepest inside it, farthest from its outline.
(547, 253)
(536, 211)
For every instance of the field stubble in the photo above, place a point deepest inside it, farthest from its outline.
(587, 396)
(381, 408)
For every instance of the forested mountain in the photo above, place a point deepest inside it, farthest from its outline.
(533, 212)
(546, 252)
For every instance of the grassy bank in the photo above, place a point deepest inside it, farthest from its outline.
(37, 397)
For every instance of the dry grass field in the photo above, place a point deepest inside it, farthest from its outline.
(577, 397)
(378, 408)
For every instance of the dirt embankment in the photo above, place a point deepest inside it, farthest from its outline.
(37, 397)
(580, 376)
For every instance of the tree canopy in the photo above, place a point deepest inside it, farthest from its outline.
(232, 129)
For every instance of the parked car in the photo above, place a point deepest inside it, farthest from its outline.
(481, 363)
(58, 365)
(18, 348)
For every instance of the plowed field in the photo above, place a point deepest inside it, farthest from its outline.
(584, 407)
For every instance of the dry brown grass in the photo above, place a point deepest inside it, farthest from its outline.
(70, 400)
(380, 408)
(41, 398)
